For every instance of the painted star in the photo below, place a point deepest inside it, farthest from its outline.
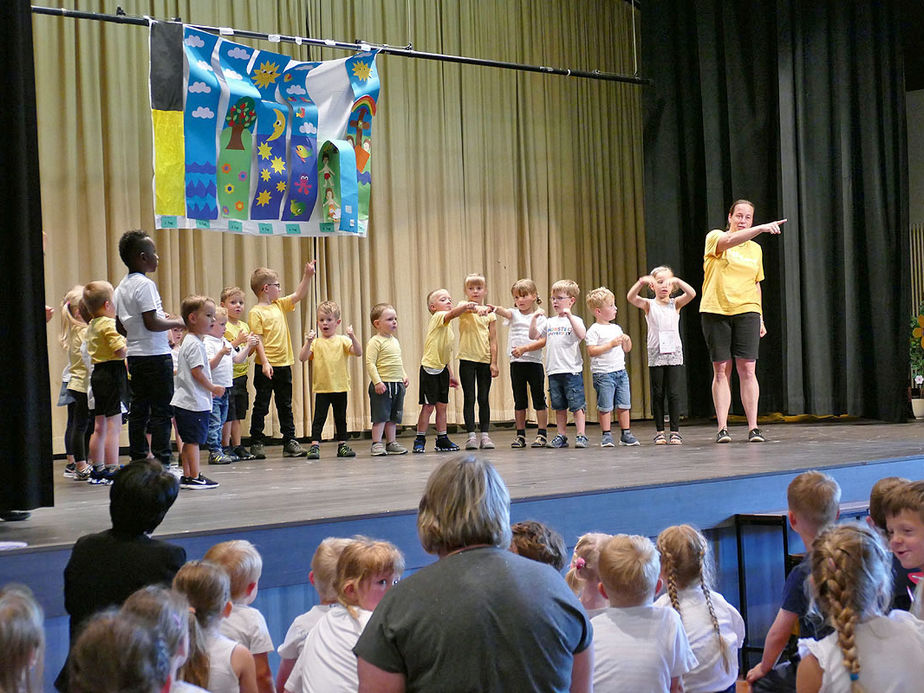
(281, 186)
(278, 165)
(263, 198)
(264, 150)
(265, 174)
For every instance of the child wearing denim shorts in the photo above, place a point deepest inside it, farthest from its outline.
(607, 346)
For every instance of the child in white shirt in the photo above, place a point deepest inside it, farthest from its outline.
(638, 646)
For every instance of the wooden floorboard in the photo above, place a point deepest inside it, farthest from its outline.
(290, 491)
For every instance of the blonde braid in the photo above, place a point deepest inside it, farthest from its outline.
(843, 615)
(704, 585)
(670, 569)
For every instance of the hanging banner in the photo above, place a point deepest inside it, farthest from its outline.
(252, 141)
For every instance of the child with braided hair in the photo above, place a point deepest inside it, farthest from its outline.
(869, 650)
(713, 626)
(583, 576)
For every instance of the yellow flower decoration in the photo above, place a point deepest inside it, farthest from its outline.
(918, 332)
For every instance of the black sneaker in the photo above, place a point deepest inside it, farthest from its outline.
(257, 451)
(443, 444)
(419, 444)
(69, 469)
(242, 454)
(344, 450)
(755, 436)
(314, 452)
(293, 449)
(722, 436)
(199, 483)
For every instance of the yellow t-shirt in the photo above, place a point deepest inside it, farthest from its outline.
(730, 278)
(474, 337)
(269, 323)
(383, 360)
(232, 331)
(438, 344)
(103, 340)
(329, 372)
(78, 369)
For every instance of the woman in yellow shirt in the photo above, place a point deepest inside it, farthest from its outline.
(731, 312)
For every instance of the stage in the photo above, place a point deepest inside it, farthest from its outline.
(286, 506)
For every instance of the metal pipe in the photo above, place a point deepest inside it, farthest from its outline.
(406, 52)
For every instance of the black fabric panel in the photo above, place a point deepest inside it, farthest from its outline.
(166, 66)
(25, 400)
(798, 107)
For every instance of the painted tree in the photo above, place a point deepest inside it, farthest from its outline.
(240, 118)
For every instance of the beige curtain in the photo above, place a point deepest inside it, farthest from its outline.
(475, 169)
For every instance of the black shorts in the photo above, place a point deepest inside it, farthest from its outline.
(239, 401)
(434, 388)
(731, 336)
(110, 387)
(193, 426)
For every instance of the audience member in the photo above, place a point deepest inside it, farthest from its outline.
(539, 542)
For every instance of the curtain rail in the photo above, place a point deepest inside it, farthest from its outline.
(406, 51)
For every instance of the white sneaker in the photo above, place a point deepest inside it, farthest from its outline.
(471, 443)
(486, 442)
(378, 449)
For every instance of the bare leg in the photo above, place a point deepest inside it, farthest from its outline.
(226, 434)
(561, 421)
(377, 429)
(423, 421)
(98, 441)
(605, 418)
(519, 417)
(235, 433)
(721, 391)
(623, 416)
(750, 389)
(113, 428)
(542, 418)
(580, 421)
(441, 408)
(190, 457)
(391, 432)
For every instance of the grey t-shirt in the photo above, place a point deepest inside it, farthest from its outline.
(483, 619)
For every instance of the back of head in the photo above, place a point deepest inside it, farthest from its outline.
(363, 558)
(162, 610)
(207, 588)
(95, 295)
(324, 567)
(130, 246)
(539, 542)
(465, 503)
(22, 640)
(70, 314)
(909, 496)
(567, 287)
(241, 561)
(140, 496)
(851, 577)
(878, 495)
(629, 568)
(585, 562)
(683, 556)
(814, 497)
(116, 654)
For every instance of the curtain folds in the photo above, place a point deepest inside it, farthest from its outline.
(474, 169)
(798, 107)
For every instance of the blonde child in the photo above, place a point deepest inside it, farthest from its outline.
(330, 376)
(192, 397)
(115, 654)
(267, 321)
(72, 336)
(583, 576)
(665, 350)
(714, 627)
(109, 380)
(222, 359)
(22, 640)
(389, 380)
(215, 662)
(526, 372)
(366, 570)
(477, 362)
(165, 613)
(607, 346)
(245, 624)
(870, 649)
(904, 512)
(563, 333)
(638, 646)
(323, 576)
(237, 332)
(902, 583)
(813, 498)
(435, 375)
(175, 340)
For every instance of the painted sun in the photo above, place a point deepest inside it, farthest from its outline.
(361, 70)
(265, 75)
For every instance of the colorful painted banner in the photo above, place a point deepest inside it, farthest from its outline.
(251, 141)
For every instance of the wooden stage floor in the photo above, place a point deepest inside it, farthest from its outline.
(281, 492)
